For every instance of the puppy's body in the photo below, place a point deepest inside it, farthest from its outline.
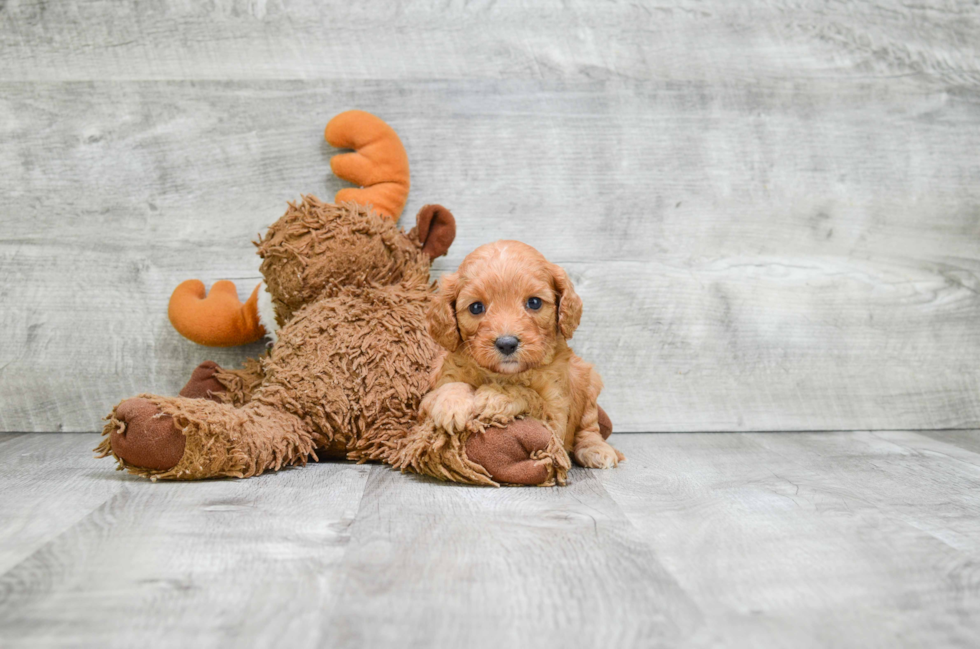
(559, 393)
(504, 318)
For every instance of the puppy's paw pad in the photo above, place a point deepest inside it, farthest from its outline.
(598, 457)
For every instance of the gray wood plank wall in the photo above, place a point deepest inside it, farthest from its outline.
(771, 210)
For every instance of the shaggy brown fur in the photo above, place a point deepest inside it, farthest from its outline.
(505, 290)
(351, 363)
(346, 375)
(239, 385)
(318, 249)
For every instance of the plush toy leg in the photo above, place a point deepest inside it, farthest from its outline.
(240, 385)
(189, 439)
(210, 381)
(434, 452)
(203, 384)
(522, 452)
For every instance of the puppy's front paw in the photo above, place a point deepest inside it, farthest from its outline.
(598, 456)
(452, 419)
(494, 404)
(450, 407)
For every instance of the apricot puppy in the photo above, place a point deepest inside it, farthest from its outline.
(505, 317)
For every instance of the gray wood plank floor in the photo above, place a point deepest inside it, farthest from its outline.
(851, 539)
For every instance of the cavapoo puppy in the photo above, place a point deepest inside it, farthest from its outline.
(504, 317)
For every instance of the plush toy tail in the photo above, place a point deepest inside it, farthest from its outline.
(218, 320)
(378, 164)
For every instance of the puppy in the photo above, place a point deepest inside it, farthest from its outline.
(504, 318)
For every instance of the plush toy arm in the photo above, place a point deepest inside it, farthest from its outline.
(218, 320)
(379, 163)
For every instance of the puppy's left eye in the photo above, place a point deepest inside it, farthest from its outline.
(534, 303)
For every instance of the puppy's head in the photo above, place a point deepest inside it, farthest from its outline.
(508, 305)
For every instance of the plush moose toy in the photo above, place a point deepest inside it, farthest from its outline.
(344, 299)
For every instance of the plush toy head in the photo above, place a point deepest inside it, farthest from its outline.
(318, 248)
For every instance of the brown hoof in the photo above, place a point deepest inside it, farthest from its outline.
(202, 384)
(605, 424)
(506, 452)
(147, 439)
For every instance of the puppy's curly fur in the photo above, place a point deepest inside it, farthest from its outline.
(508, 289)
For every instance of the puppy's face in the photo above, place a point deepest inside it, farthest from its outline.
(508, 305)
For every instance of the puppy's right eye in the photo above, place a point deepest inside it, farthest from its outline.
(477, 308)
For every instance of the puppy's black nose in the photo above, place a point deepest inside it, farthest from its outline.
(507, 344)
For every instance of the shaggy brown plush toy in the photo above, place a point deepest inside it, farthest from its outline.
(344, 298)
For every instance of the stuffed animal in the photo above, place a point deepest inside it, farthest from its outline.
(344, 299)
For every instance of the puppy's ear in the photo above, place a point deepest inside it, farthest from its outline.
(437, 229)
(568, 302)
(441, 317)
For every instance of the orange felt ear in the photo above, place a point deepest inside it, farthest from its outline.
(218, 320)
(378, 164)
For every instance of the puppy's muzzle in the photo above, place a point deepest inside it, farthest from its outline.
(507, 345)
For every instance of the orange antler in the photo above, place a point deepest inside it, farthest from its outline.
(218, 320)
(378, 164)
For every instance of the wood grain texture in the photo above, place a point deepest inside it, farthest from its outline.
(697, 540)
(435, 565)
(552, 39)
(92, 557)
(771, 212)
(813, 540)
